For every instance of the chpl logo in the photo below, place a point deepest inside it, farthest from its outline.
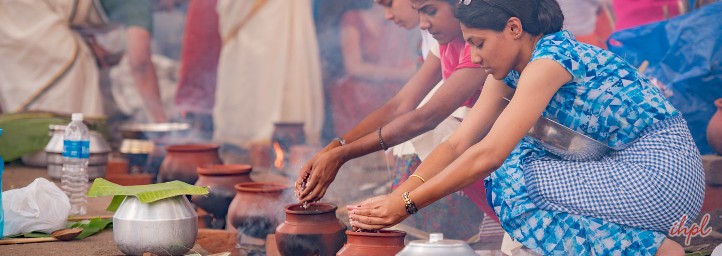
(701, 230)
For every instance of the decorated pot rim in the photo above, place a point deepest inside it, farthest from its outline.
(260, 187)
(380, 233)
(224, 169)
(191, 147)
(313, 208)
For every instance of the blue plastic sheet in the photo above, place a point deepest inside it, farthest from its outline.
(684, 54)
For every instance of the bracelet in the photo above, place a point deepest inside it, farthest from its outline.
(417, 176)
(410, 206)
(340, 140)
(381, 141)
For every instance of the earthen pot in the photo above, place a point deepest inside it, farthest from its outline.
(288, 134)
(381, 243)
(311, 231)
(714, 128)
(221, 179)
(257, 208)
(181, 161)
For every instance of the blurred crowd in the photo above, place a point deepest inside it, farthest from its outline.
(233, 68)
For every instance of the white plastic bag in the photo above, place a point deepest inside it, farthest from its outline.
(40, 206)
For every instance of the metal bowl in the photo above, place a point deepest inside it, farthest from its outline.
(566, 143)
(437, 246)
(97, 161)
(148, 131)
(164, 227)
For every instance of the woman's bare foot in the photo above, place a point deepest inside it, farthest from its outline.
(669, 247)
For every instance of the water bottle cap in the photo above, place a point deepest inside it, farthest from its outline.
(77, 117)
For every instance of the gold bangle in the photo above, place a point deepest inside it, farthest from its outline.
(417, 176)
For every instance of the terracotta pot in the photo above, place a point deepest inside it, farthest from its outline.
(382, 243)
(256, 209)
(221, 178)
(714, 128)
(288, 134)
(181, 161)
(311, 231)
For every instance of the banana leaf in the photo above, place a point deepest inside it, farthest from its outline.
(144, 193)
(90, 227)
(25, 133)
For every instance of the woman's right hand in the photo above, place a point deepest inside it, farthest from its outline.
(304, 174)
(305, 171)
(314, 179)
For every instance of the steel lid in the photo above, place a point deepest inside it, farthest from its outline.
(436, 245)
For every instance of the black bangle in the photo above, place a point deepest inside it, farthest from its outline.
(381, 141)
(410, 206)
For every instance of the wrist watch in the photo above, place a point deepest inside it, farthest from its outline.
(340, 140)
(410, 206)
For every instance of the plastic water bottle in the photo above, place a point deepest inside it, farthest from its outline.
(76, 151)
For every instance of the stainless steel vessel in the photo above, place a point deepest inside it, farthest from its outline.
(150, 131)
(437, 246)
(566, 143)
(163, 227)
(99, 153)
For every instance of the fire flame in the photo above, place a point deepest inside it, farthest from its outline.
(278, 163)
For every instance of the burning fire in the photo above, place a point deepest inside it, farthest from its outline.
(278, 163)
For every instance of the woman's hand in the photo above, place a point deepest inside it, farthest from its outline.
(304, 174)
(320, 175)
(377, 212)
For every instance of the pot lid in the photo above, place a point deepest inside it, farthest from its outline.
(129, 146)
(436, 245)
(55, 145)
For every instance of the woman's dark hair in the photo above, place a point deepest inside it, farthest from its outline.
(538, 17)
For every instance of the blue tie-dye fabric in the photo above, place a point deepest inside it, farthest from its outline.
(607, 98)
(609, 101)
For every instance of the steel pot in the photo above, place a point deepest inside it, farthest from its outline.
(99, 153)
(566, 143)
(37, 159)
(163, 227)
(149, 131)
(437, 246)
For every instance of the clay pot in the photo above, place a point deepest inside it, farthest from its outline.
(256, 209)
(181, 161)
(382, 243)
(311, 231)
(221, 179)
(288, 134)
(714, 128)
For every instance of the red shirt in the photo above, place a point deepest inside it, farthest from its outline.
(456, 55)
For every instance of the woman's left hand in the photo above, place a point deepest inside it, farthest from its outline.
(377, 212)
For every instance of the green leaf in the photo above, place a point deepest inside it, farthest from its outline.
(25, 133)
(144, 193)
(91, 227)
(115, 203)
(33, 234)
